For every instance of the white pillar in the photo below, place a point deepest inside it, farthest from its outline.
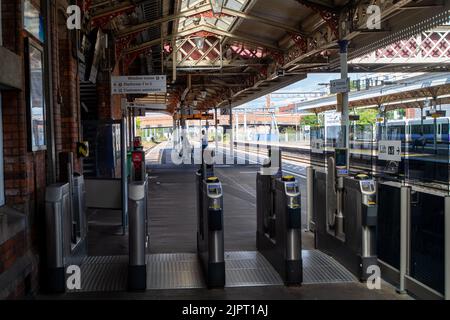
(245, 124)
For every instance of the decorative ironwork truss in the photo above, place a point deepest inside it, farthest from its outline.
(427, 47)
(341, 23)
(191, 55)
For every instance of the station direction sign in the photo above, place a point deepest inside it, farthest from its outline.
(340, 85)
(138, 84)
(147, 106)
(195, 116)
(390, 150)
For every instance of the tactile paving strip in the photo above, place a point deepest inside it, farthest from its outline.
(103, 273)
(183, 271)
(174, 271)
(249, 269)
(321, 268)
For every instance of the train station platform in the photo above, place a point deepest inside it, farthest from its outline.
(173, 269)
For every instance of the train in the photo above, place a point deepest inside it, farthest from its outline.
(415, 130)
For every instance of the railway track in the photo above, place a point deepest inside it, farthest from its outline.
(302, 156)
(358, 162)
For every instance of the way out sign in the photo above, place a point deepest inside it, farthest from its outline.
(390, 150)
(138, 84)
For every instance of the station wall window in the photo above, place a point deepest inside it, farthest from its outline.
(34, 66)
(32, 20)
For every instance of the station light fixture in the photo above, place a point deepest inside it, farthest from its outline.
(199, 42)
(203, 93)
(217, 6)
(195, 102)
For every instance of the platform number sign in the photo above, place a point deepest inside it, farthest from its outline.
(390, 150)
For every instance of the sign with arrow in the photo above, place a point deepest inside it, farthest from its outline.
(147, 106)
(138, 84)
(390, 150)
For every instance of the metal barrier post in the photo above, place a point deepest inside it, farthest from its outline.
(310, 224)
(137, 269)
(405, 202)
(123, 159)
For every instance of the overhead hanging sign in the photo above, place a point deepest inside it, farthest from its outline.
(340, 85)
(390, 150)
(138, 84)
(148, 106)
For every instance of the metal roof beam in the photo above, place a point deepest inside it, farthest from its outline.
(146, 25)
(210, 30)
(229, 35)
(262, 20)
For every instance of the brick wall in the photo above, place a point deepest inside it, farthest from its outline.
(67, 87)
(24, 171)
(11, 250)
(108, 106)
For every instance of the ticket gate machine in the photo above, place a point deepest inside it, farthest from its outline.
(279, 224)
(210, 237)
(368, 208)
(345, 214)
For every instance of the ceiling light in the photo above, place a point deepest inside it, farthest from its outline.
(199, 42)
(216, 6)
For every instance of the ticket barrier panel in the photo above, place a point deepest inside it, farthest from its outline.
(353, 241)
(66, 230)
(279, 225)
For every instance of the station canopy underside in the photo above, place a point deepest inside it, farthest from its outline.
(409, 93)
(222, 53)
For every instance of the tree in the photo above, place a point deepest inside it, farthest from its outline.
(309, 120)
(367, 116)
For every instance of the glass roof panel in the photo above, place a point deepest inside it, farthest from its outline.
(223, 23)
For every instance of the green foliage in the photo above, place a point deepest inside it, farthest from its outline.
(367, 116)
(395, 114)
(309, 120)
(288, 130)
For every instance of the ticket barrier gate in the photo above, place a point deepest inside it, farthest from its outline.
(345, 216)
(210, 237)
(66, 230)
(137, 235)
(279, 224)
